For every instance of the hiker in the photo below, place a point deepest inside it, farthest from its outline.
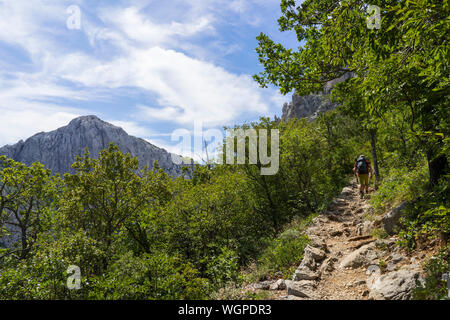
(362, 169)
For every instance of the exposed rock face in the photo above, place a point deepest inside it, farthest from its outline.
(279, 285)
(312, 105)
(57, 149)
(302, 289)
(361, 257)
(307, 106)
(304, 273)
(396, 285)
(391, 219)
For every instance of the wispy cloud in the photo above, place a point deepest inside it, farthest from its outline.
(170, 51)
(188, 89)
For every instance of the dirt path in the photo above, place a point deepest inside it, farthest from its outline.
(343, 231)
(343, 261)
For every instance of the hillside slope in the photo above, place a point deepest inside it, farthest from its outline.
(344, 261)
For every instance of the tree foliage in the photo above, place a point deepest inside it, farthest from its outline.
(140, 234)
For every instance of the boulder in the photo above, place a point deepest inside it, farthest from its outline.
(308, 262)
(328, 265)
(397, 285)
(391, 219)
(279, 285)
(316, 254)
(364, 228)
(391, 266)
(314, 231)
(397, 258)
(387, 244)
(347, 191)
(361, 257)
(263, 285)
(316, 242)
(303, 273)
(302, 289)
(357, 283)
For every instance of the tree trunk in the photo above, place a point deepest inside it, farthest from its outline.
(24, 241)
(273, 212)
(373, 144)
(437, 166)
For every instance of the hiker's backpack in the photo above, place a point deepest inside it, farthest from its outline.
(361, 166)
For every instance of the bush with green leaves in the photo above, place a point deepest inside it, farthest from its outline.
(156, 276)
(224, 268)
(26, 197)
(399, 185)
(434, 286)
(283, 253)
(428, 217)
(43, 275)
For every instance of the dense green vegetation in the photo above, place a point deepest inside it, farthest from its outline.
(398, 93)
(143, 235)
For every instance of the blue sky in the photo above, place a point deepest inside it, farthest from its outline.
(150, 67)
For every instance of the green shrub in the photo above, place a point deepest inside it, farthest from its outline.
(434, 288)
(401, 184)
(427, 218)
(382, 264)
(284, 252)
(156, 276)
(224, 268)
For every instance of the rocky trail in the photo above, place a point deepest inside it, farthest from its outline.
(343, 261)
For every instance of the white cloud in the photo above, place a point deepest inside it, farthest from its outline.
(23, 110)
(239, 6)
(28, 25)
(132, 128)
(146, 54)
(189, 89)
(24, 120)
(140, 28)
(175, 149)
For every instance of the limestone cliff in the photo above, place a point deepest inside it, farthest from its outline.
(57, 149)
(312, 105)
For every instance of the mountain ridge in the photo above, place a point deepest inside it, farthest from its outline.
(311, 105)
(58, 149)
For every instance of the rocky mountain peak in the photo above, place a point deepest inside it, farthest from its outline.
(86, 120)
(58, 149)
(90, 121)
(310, 106)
